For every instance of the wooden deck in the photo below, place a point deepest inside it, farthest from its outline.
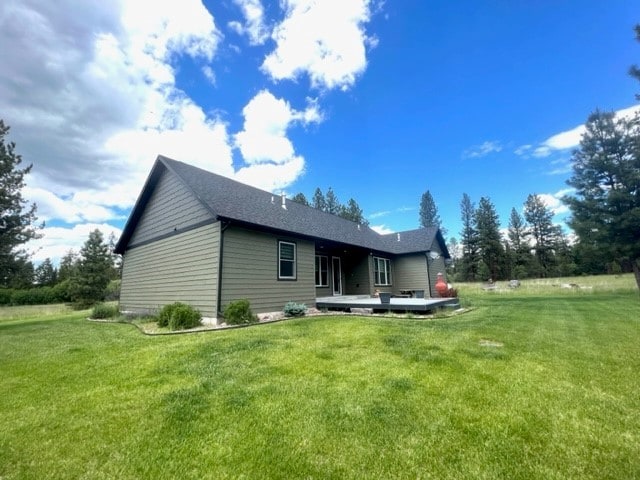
(347, 302)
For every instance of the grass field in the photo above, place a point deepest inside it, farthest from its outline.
(537, 383)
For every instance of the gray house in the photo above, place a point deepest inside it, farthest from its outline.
(206, 240)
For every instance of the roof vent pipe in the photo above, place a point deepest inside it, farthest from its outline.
(398, 237)
(284, 201)
(273, 200)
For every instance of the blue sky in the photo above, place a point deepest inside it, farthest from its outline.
(379, 100)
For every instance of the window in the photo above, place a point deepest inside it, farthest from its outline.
(286, 260)
(382, 271)
(322, 271)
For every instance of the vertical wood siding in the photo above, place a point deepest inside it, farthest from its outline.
(250, 270)
(172, 206)
(179, 268)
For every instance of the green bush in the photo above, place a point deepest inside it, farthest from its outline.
(184, 317)
(239, 312)
(165, 314)
(113, 290)
(5, 296)
(33, 296)
(178, 316)
(101, 311)
(292, 309)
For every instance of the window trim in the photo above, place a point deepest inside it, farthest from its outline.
(294, 262)
(318, 268)
(377, 272)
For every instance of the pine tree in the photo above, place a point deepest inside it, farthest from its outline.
(333, 205)
(489, 241)
(300, 198)
(429, 216)
(469, 240)
(353, 212)
(634, 71)
(89, 284)
(543, 233)
(46, 274)
(319, 201)
(520, 251)
(606, 177)
(16, 217)
(68, 266)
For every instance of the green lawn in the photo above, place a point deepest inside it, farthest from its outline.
(532, 384)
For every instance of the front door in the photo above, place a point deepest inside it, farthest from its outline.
(336, 272)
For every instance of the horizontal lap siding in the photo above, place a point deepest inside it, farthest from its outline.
(179, 268)
(436, 266)
(411, 273)
(172, 207)
(250, 270)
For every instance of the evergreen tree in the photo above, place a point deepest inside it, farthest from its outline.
(353, 212)
(333, 205)
(89, 284)
(319, 201)
(489, 241)
(543, 233)
(469, 240)
(300, 198)
(68, 266)
(46, 274)
(606, 177)
(519, 249)
(429, 216)
(116, 260)
(16, 218)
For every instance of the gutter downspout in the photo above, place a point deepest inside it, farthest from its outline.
(223, 227)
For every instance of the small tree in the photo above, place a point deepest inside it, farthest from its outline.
(68, 266)
(333, 205)
(90, 281)
(519, 249)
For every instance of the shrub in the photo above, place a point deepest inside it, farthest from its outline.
(179, 316)
(183, 317)
(5, 296)
(239, 312)
(101, 310)
(113, 290)
(292, 309)
(33, 296)
(165, 314)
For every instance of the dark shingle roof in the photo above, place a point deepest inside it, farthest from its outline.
(232, 200)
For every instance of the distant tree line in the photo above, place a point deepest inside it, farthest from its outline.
(329, 203)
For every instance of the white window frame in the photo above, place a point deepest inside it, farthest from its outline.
(382, 271)
(319, 271)
(292, 261)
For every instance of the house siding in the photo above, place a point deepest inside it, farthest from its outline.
(436, 266)
(411, 273)
(180, 268)
(250, 270)
(172, 207)
(359, 276)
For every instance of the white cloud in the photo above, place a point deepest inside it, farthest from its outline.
(482, 150)
(324, 39)
(263, 142)
(553, 201)
(57, 241)
(382, 229)
(379, 214)
(254, 27)
(570, 139)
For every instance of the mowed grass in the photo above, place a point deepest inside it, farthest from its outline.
(529, 385)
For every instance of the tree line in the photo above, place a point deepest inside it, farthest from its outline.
(329, 203)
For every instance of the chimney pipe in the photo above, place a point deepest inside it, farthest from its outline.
(284, 201)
